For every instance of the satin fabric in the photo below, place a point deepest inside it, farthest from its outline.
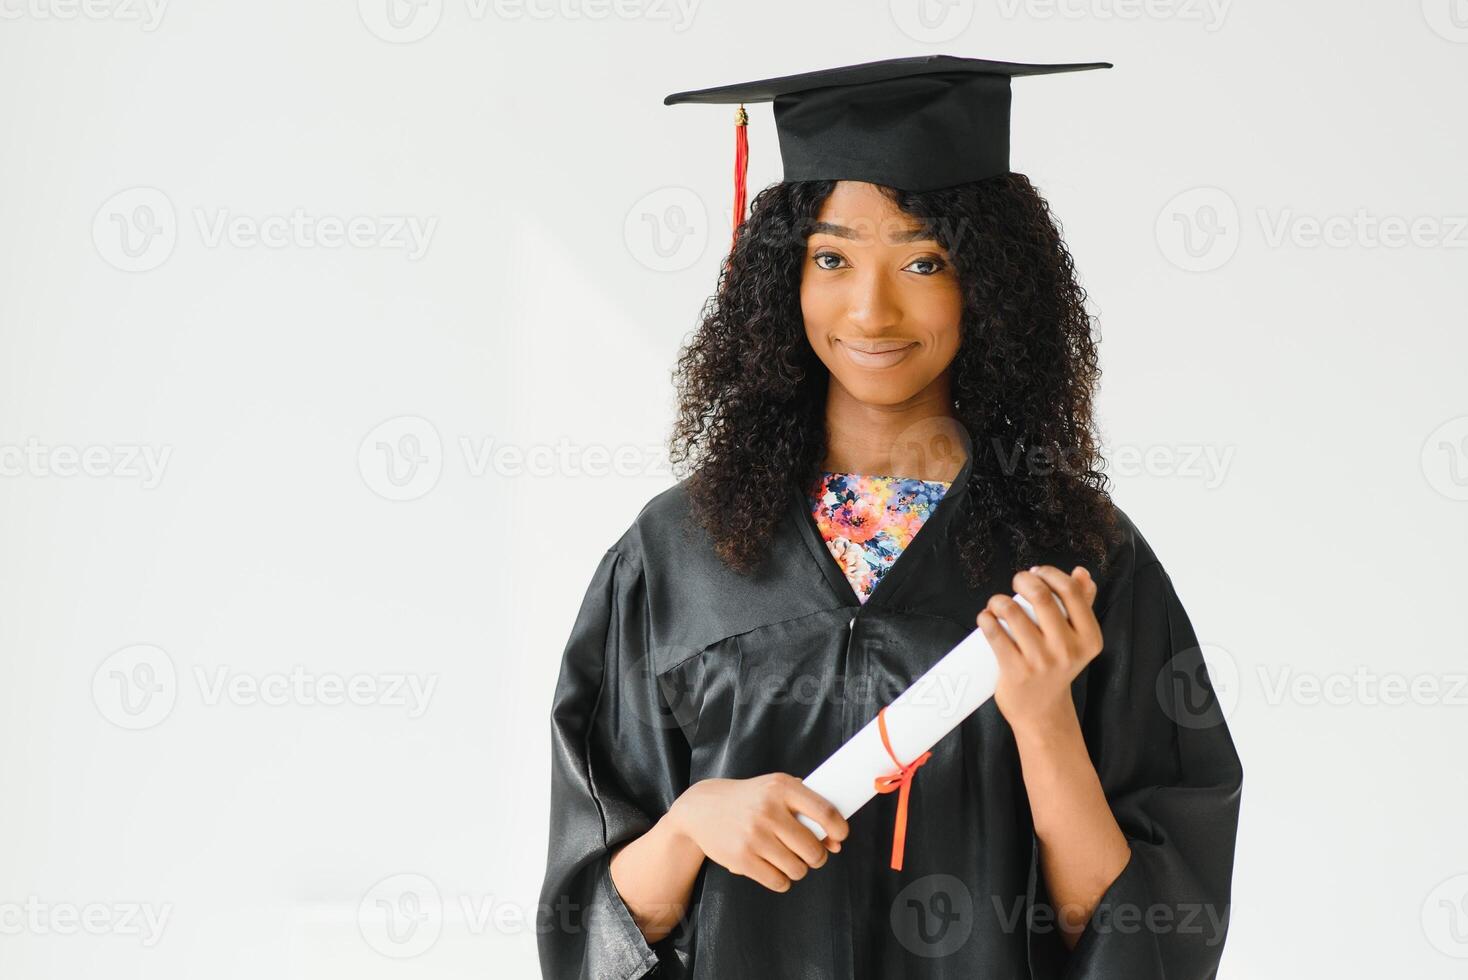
(678, 669)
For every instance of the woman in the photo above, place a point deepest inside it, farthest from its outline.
(889, 405)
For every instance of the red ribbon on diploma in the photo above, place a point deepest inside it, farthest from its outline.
(901, 780)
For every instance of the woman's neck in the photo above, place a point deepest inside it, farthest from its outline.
(919, 438)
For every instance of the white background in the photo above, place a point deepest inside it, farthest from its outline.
(572, 228)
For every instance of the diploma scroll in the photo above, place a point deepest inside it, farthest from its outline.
(947, 693)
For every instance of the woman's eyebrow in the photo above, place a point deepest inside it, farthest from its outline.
(897, 237)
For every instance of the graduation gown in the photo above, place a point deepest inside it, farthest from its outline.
(678, 669)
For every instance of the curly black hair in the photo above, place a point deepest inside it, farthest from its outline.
(752, 393)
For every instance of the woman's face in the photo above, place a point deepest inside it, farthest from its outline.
(881, 302)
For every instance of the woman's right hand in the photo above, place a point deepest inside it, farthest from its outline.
(748, 826)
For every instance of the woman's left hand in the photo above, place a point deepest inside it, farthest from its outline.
(1037, 666)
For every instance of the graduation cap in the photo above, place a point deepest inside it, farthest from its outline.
(916, 124)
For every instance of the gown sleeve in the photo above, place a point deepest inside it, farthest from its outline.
(1157, 736)
(618, 761)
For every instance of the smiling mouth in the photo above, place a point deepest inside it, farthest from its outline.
(877, 355)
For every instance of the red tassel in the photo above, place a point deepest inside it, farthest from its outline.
(741, 168)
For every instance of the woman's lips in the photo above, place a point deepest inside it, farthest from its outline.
(879, 359)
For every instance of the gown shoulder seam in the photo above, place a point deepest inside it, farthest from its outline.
(1149, 563)
(744, 632)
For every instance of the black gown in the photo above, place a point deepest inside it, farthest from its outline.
(678, 669)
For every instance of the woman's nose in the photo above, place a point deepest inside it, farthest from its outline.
(872, 305)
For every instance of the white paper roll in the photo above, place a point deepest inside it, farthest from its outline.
(947, 693)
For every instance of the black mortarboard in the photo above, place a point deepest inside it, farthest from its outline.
(912, 123)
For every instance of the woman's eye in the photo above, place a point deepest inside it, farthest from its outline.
(826, 255)
(937, 266)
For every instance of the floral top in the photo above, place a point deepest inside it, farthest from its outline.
(867, 520)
